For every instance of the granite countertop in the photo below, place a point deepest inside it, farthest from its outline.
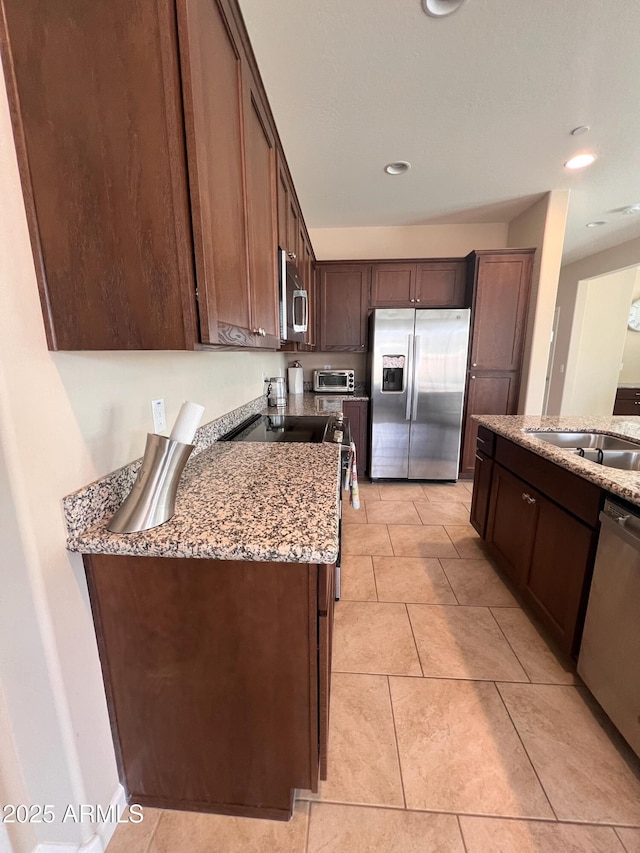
(314, 404)
(240, 501)
(626, 484)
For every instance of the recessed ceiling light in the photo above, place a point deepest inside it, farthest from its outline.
(441, 8)
(578, 131)
(633, 208)
(580, 161)
(596, 224)
(397, 168)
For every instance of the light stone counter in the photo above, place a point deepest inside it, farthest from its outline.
(626, 484)
(314, 404)
(242, 501)
(236, 501)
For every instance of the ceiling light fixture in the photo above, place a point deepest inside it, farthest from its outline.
(441, 8)
(596, 224)
(578, 131)
(633, 208)
(397, 168)
(579, 161)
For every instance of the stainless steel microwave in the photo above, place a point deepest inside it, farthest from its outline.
(294, 305)
(335, 381)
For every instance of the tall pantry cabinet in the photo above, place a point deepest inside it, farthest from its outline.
(500, 284)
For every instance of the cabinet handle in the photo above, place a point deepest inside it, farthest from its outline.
(292, 255)
(479, 458)
(412, 300)
(260, 332)
(475, 364)
(417, 300)
(526, 497)
(636, 402)
(480, 440)
(473, 377)
(362, 346)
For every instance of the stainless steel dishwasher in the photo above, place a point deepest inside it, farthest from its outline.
(609, 660)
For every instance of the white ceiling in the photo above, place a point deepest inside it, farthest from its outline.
(481, 103)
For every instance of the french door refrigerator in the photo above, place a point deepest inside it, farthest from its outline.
(418, 369)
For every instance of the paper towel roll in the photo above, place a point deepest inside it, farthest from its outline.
(296, 385)
(187, 422)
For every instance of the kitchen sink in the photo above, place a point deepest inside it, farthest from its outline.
(608, 450)
(584, 439)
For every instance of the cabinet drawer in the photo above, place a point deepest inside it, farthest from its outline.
(627, 394)
(578, 496)
(486, 441)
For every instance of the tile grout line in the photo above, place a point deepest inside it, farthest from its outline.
(482, 815)
(375, 581)
(464, 843)
(155, 832)
(444, 572)
(526, 751)
(617, 834)
(308, 832)
(414, 639)
(395, 737)
(515, 654)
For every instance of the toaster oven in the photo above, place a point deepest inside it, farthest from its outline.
(334, 381)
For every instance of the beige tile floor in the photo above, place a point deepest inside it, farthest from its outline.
(455, 727)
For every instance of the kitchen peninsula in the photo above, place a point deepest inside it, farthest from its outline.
(537, 507)
(214, 629)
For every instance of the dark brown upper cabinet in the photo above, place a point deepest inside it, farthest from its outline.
(147, 153)
(500, 283)
(421, 284)
(502, 286)
(343, 306)
(97, 115)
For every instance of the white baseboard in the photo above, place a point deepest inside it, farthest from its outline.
(99, 840)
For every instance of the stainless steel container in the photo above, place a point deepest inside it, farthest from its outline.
(152, 499)
(276, 392)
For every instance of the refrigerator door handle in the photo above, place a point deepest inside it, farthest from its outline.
(409, 382)
(416, 363)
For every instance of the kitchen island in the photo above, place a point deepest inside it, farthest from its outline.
(537, 507)
(214, 629)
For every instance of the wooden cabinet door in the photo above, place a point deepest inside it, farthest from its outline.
(259, 151)
(393, 285)
(441, 284)
(358, 413)
(212, 83)
(343, 307)
(487, 394)
(482, 479)
(284, 196)
(500, 305)
(98, 120)
(554, 583)
(511, 526)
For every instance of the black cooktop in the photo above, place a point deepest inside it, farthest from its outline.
(303, 428)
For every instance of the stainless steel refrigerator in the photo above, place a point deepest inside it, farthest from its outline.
(419, 363)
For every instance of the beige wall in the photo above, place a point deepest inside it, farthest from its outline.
(541, 226)
(65, 419)
(630, 373)
(597, 342)
(618, 257)
(411, 241)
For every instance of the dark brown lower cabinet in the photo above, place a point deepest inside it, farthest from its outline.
(488, 393)
(482, 479)
(627, 401)
(543, 531)
(217, 676)
(358, 413)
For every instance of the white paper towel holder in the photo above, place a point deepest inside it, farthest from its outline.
(152, 499)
